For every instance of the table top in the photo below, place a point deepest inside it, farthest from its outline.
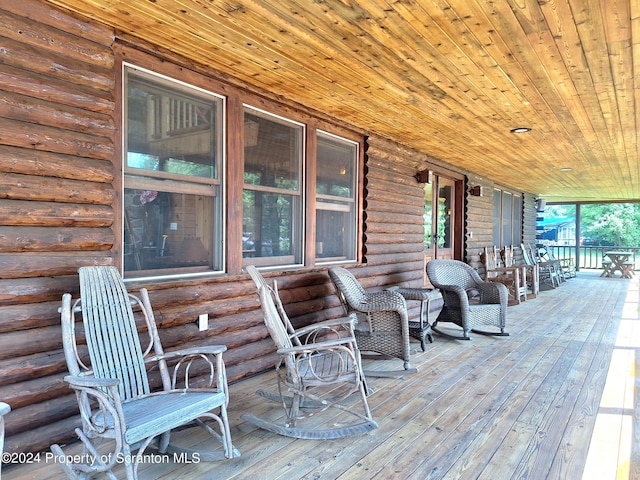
(619, 254)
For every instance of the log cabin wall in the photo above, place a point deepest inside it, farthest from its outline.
(56, 207)
(529, 213)
(479, 232)
(59, 204)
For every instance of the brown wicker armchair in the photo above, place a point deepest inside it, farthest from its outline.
(469, 301)
(383, 323)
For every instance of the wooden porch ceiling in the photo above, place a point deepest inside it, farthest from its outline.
(450, 78)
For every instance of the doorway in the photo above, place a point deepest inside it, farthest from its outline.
(443, 199)
(439, 209)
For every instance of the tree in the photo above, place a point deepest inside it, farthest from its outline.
(612, 223)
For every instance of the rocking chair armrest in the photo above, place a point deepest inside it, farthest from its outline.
(90, 382)
(347, 322)
(203, 350)
(311, 347)
(503, 269)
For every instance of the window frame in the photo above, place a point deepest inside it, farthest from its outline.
(141, 178)
(298, 224)
(516, 206)
(340, 203)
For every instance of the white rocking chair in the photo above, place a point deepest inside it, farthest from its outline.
(115, 395)
(318, 368)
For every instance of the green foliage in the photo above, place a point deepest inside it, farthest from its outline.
(612, 223)
(608, 223)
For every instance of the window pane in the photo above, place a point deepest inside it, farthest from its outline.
(517, 220)
(171, 130)
(507, 210)
(267, 223)
(173, 220)
(336, 167)
(272, 152)
(272, 202)
(445, 204)
(336, 198)
(497, 215)
(165, 230)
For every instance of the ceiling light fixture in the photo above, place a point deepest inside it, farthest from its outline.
(566, 169)
(520, 130)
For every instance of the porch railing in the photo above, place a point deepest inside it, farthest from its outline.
(591, 257)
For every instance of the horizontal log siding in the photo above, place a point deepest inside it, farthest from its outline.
(479, 220)
(394, 203)
(57, 134)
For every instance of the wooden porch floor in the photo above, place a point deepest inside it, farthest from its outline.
(555, 400)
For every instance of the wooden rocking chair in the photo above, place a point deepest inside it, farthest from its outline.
(549, 271)
(528, 272)
(115, 394)
(318, 368)
(512, 277)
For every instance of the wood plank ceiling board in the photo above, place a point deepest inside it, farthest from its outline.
(449, 78)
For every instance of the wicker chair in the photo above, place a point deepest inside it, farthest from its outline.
(318, 368)
(383, 323)
(469, 301)
(4, 409)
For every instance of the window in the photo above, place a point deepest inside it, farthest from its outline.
(173, 203)
(507, 218)
(272, 198)
(336, 218)
(175, 195)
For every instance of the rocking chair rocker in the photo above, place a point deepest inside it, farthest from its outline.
(318, 365)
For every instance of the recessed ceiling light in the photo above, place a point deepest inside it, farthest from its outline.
(520, 130)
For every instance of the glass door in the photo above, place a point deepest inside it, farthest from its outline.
(439, 214)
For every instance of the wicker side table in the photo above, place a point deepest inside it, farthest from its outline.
(430, 307)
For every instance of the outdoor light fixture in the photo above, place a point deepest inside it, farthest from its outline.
(425, 176)
(476, 191)
(520, 130)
